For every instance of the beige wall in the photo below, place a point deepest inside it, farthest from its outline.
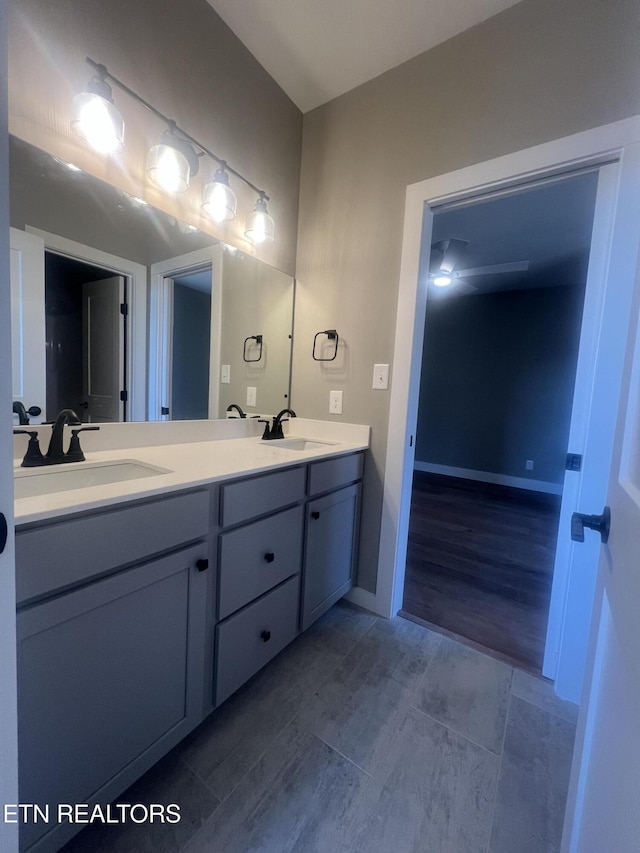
(541, 70)
(182, 58)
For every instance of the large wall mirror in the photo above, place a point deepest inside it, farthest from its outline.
(122, 312)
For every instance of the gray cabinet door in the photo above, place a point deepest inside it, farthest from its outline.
(329, 551)
(106, 675)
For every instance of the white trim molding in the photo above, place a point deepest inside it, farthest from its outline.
(490, 477)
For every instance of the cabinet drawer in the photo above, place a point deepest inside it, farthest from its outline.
(70, 552)
(248, 640)
(256, 496)
(255, 558)
(334, 473)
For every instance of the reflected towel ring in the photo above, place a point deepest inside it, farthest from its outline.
(247, 347)
(332, 335)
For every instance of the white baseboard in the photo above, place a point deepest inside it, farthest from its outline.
(490, 477)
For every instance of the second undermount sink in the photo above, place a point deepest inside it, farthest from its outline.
(302, 443)
(30, 483)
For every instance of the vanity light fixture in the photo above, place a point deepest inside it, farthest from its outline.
(218, 199)
(259, 227)
(173, 161)
(95, 117)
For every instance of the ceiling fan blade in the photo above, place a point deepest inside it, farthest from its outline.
(463, 288)
(452, 250)
(493, 269)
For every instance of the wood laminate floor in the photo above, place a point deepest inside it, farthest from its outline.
(480, 563)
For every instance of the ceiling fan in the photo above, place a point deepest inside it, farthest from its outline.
(446, 255)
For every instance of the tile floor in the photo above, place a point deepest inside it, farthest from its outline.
(365, 735)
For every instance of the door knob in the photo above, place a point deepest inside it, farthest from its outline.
(601, 523)
(4, 532)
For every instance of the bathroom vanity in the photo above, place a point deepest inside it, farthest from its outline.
(144, 605)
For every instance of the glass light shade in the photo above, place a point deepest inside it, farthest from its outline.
(218, 199)
(260, 227)
(442, 280)
(98, 122)
(168, 168)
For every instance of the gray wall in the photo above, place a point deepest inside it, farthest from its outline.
(497, 381)
(190, 368)
(182, 58)
(538, 71)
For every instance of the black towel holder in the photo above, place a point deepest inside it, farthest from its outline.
(245, 349)
(332, 335)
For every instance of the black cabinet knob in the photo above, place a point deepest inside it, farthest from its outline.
(265, 636)
(202, 565)
(269, 557)
(4, 532)
(315, 514)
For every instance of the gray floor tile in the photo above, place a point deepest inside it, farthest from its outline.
(297, 798)
(433, 793)
(539, 692)
(169, 781)
(340, 628)
(534, 778)
(467, 691)
(363, 702)
(234, 737)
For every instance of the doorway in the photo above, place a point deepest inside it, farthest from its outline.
(86, 346)
(506, 281)
(191, 345)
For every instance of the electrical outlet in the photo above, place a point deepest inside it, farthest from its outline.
(335, 402)
(225, 374)
(529, 465)
(380, 377)
(251, 395)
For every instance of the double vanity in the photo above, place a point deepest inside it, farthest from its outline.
(156, 580)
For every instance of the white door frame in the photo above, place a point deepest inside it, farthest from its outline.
(161, 325)
(593, 147)
(136, 320)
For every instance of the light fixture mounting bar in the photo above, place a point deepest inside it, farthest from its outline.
(103, 71)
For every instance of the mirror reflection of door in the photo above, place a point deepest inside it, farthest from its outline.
(191, 345)
(85, 349)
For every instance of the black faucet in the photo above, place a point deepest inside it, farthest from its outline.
(55, 454)
(275, 431)
(23, 414)
(235, 406)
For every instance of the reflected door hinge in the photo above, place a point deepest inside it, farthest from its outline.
(124, 396)
(124, 309)
(164, 410)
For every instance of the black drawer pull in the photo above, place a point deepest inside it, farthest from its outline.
(202, 565)
(265, 636)
(315, 514)
(269, 557)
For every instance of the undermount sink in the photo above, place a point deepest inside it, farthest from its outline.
(30, 483)
(302, 443)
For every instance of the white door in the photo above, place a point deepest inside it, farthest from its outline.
(603, 813)
(28, 342)
(102, 349)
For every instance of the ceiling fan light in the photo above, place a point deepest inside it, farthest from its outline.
(260, 227)
(219, 201)
(441, 280)
(96, 119)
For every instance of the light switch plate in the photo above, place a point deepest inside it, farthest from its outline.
(335, 402)
(380, 377)
(251, 395)
(225, 374)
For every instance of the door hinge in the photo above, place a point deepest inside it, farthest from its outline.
(574, 462)
(124, 309)
(164, 410)
(124, 396)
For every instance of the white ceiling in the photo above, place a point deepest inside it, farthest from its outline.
(319, 49)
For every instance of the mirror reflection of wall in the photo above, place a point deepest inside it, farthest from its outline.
(59, 205)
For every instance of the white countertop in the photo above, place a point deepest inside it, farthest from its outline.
(192, 463)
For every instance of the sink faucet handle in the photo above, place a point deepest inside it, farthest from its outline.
(267, 428)
(33, 456)
(74, 453)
